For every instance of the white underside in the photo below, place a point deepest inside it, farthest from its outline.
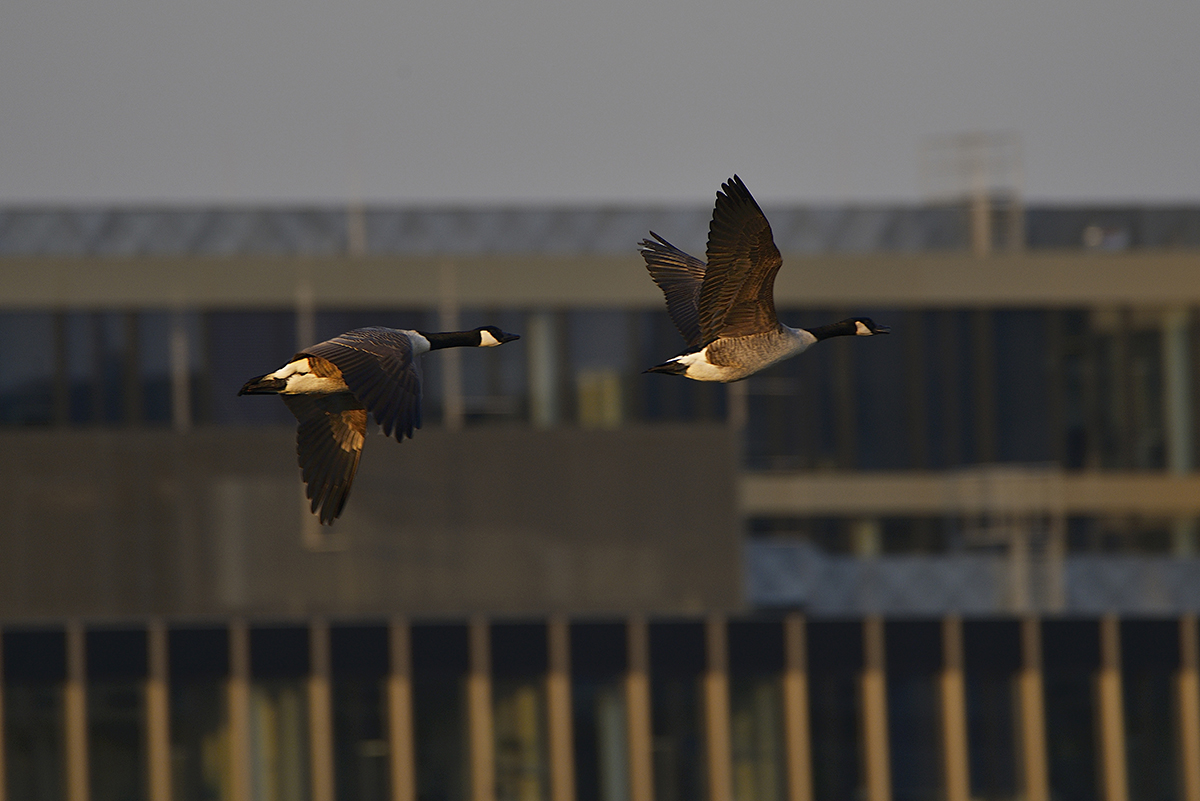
(301, 381)
(700, 369)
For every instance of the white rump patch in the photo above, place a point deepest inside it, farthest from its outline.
(301, 381)
(699, 368)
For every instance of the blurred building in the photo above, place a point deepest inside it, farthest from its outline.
(959, 562)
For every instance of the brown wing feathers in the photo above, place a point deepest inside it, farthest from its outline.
(736, 297)
(679, 276)
(329, 441)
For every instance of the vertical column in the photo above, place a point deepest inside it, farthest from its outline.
(716, 708)
(1122, 392)
(61, 382)
(544, 400)
(453, 405)
(1112, 713)
(952, 405)
(954, 712)
(637, 703)
(239, 711)
(984, 364)
(306, 312)
(400, 712)
(181, 373)
(1177, 390)
(75, 707)
(99, 357)
(320, 711)
(874, 701)
(1187, 683)
(479, 711)
(915, 388)
(795, 709)
(979, 205)
(158, 714)
(1035, 779)
(131, 373)
(3, 774)
(846, 406)
(558, 703)
(1177, 413)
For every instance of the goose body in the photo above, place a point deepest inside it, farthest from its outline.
(725, 307)
(331, 386)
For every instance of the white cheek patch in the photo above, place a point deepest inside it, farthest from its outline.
(861, 330)
(291, 369)
(486, 340)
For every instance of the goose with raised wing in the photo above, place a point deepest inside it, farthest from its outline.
(332, 385)
(725, 308)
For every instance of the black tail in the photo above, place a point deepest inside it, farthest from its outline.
(263, 386)
(670, 368)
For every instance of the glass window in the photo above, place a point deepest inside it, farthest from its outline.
(665, 397)
(1149, 660)
(439, 656)
(279, 725)
(199, 714)
(835, 661)
(34, 664)
(601, 361)
(116, 708)
(519, 709)
(239, 346)
(26, 368)
(992, 657)
(1022, 385)
(914, 658)
(598, 665)
(756, 710)
(881, 421)
(792, 416)
(360, 742)
(1071, 656)
(676, 700)
(494, 380)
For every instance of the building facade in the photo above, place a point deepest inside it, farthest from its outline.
(958, 562)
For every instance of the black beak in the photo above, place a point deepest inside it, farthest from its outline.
(507, 337)
(881, 329)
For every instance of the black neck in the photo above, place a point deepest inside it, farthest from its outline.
(452, 339)
(846, 328)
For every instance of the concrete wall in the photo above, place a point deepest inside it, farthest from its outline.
(503, 521)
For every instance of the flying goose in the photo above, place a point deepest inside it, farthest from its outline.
(332, 385)
(725, 309)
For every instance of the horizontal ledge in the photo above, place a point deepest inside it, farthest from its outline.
(990, 491)
(603, 280)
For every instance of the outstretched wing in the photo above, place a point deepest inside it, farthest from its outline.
(680, 277)
(737, 297)
(329, 441)
(379, 367)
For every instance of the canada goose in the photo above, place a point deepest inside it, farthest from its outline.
(725, 309)
(332, 385)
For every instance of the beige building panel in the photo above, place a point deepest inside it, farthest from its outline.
(1155, 278)
(913, 493)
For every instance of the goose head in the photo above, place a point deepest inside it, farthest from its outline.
(490, 336)
(866, 327)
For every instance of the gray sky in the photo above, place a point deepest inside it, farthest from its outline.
(597, 102)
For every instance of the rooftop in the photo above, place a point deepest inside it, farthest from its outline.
(223, 230)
